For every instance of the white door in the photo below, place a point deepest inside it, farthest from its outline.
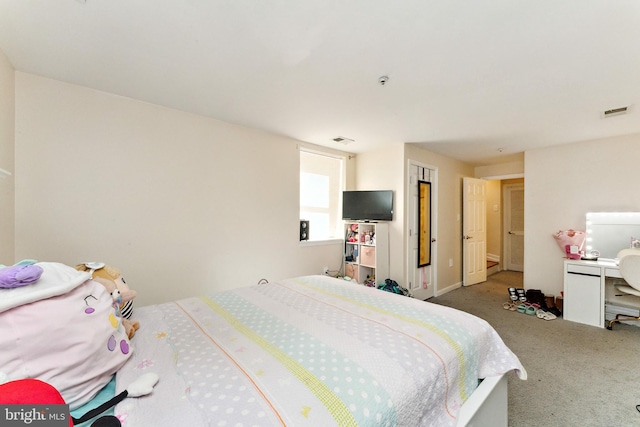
(474, 231)
(514, 227)
(420, 280)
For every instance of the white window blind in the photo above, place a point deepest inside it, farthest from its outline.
(321, 185)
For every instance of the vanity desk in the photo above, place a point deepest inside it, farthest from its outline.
(584, 290)
(590, 294)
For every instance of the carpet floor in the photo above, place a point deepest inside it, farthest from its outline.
(578, 375)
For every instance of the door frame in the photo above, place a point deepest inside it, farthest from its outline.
(411, 263)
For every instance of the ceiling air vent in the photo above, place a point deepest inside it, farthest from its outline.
(615, 111)
(343, 140)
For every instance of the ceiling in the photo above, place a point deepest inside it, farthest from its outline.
(480, 81)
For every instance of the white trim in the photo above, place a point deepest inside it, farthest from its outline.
(439, 292)
(321, 242)
(501, 177)
(329, 153)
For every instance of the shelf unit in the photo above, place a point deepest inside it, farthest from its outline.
(366, 252)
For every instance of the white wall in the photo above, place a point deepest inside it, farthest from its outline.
(182, 204)
(505, 170)
(383, 170)
(7, 138)
(562, 184)
(386, 168)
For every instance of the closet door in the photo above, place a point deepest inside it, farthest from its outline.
(514, 227)
(421, 280)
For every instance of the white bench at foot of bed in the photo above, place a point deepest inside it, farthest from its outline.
(487, 406)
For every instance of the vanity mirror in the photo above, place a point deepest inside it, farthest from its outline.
(610, 232)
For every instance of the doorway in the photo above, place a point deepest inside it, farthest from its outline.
(505, 224)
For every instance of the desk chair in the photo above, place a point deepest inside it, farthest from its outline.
(629, 265)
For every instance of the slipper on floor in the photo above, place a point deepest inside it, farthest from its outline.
(549, 316)
(555, 311)
(530, 310)
(522, 308)
(509, 306)
(513, 294)
(545, 315)
(522, 296)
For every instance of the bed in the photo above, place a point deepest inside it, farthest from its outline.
(315, 351)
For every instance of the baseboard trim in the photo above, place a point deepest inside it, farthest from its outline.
(493, 257)
(448, 289)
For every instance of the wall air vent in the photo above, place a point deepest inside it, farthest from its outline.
(343, 140)
(615, 112)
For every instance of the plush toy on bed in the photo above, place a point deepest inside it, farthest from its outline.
(62, 329)
(111, 278)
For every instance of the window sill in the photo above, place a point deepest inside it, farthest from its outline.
(321, 242)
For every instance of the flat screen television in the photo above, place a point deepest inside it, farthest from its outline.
(374, 205)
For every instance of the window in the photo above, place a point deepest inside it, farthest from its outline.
(321, 185)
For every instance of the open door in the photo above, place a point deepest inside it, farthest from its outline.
(474, 231)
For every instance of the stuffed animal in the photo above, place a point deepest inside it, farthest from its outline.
(64, 330)
(111, 278)
(19, 275)
(353, 233)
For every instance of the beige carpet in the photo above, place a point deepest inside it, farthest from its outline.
(579, 375)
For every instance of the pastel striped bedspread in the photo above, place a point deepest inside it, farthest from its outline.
(309, 351)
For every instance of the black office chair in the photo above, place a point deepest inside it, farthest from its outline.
(629, 265)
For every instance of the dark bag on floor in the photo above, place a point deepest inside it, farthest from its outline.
(535, 296)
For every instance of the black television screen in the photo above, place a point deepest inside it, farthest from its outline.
(367, 205)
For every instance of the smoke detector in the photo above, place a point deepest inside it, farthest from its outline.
(343, 140)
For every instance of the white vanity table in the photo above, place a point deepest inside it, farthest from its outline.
(584, 290)
(588, 298)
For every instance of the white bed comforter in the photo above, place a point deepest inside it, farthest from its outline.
(310, 351)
